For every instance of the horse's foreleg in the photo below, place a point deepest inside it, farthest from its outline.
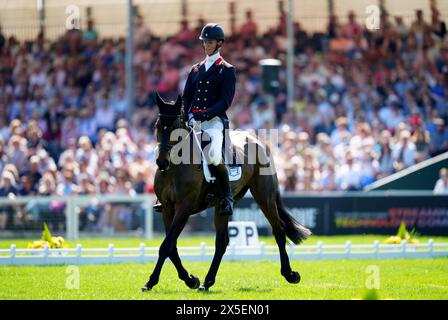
(191, 281)
(168, 245)
(221, 242)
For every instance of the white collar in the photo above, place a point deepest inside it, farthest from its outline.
(212, 59)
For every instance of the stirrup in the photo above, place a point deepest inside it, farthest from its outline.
(157, 208)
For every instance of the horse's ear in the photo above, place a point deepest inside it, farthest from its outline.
(159, 100)
(178, 103)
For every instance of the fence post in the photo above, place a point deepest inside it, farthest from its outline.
(71, 219)
(431, 247)
(262, 249)
(291, 250)
(348, 249)
(46, 253)
(404, 245)
(203, 247)
(376, 248)
(149, 217)
(78, 253)
(319, 250)
(232, 251)
(142, 252)
(111, 252)
(13, 253)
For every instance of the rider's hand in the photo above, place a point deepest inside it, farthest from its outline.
(191, 121)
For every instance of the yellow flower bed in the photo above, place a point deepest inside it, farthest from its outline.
(55, 243)
(48, 240)
(401, 236)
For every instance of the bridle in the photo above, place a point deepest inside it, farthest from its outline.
(167, 146)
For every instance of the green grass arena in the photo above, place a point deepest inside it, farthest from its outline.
(396, 279)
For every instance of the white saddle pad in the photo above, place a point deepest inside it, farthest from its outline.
(234, 172)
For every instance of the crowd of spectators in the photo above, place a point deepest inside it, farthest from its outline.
(367, 104)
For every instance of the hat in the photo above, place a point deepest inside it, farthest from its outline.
(8, 175)
(34, 159)
(341, 121)
(212, 31)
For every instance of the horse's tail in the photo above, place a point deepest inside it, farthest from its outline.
(294, 230)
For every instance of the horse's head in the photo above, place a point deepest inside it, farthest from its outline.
(170, 118)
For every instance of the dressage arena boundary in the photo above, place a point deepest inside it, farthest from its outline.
(142, 254)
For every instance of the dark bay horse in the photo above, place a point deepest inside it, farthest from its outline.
(182, 191)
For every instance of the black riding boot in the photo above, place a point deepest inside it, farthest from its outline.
(220, 173)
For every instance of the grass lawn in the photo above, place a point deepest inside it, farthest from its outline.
(343, 279)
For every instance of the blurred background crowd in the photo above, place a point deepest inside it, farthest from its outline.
(367, 104)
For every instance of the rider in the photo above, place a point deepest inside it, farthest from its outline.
(208, 93)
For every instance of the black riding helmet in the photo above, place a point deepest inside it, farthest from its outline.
(212, 31)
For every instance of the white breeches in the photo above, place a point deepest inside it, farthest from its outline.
(214, 128)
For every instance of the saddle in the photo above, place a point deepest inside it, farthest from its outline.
(229, 156)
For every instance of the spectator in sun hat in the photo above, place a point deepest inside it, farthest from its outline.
(87, 153)
(404, 151)
(45, 161)
(8, 184)
(441, 186)
(7, 189)
(17, 151)
(341, 129)
(68, 185)
(349, 174)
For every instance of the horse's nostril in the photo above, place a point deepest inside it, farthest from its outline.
(162, 164)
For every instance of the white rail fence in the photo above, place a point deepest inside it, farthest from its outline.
(72, 202)
(112, 255)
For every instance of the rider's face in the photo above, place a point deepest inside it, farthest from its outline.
(209, 46)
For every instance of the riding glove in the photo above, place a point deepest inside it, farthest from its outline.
(192, 123)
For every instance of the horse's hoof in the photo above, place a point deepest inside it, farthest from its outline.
(145, 288)
(293, 277)
(203, 289)
(192, 282)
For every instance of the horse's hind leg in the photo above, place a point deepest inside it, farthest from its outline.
(221, 242)
(168, 245)
(191, 281)
(264, 191)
